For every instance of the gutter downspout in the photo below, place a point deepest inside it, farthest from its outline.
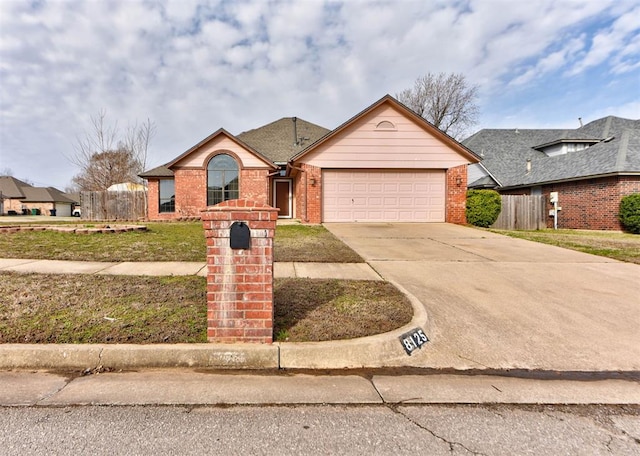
(304, 201)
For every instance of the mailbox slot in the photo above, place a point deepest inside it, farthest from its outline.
(240, 236)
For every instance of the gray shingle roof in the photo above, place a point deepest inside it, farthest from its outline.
(44, 195)
(505, 152)
(159, 171)
(276, 140)
(10, 187)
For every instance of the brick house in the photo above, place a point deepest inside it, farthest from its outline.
(384, 164)
(20, 198)
(591, 168)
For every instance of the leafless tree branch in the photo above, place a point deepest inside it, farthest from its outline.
(445, 100)
(105, 156)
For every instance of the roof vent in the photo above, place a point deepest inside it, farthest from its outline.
(580, 120)
(528, 165)
(295, 130)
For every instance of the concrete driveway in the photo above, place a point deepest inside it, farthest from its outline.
(499, 302)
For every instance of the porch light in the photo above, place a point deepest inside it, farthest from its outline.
(312, 181)
(458, 181)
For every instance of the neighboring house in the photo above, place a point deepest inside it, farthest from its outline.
(20, 198)
(591, 168)
(384, 164)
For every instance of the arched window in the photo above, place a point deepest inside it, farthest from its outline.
(222, 179)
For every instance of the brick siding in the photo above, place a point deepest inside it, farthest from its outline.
(191, 191)
(240, 281)
(456, 195)
(589, 204)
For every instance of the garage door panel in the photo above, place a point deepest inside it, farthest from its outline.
(402, 196)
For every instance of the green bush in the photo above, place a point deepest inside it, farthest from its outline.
(483, 207)
(630, 213)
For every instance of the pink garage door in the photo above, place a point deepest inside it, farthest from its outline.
(383, 196)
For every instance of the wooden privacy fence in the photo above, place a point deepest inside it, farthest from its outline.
(128, 205)
(522, 212)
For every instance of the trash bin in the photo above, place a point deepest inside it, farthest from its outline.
(53, 212)
(34, 211)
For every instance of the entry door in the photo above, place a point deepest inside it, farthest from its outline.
(282, 197)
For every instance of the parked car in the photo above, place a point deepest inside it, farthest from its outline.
(77, 212)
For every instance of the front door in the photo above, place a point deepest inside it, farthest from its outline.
(282, 197)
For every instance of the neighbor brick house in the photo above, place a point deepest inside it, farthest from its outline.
(591, 168)
(20, 198)
(384, 164)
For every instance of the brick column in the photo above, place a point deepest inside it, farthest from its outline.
(240, 281)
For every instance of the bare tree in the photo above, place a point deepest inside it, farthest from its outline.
(106, 156)
(448, 101)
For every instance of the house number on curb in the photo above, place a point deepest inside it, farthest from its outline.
(413, 339)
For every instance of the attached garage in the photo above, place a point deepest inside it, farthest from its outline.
(386, 164)
(383, 195)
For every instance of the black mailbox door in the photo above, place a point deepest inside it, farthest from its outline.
(240, 236)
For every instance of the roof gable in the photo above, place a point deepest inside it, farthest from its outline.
(220, 135)
(404, 111)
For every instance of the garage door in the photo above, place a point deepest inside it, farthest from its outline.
(383, 196)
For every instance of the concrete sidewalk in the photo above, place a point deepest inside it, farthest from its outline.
(190, 387)
(349, 271)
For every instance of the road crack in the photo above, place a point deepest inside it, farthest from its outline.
(55, 392)
(452, 444)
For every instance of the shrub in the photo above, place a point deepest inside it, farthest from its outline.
(483, 207)
(630, 213)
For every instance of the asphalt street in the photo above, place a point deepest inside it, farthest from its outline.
(322, 429)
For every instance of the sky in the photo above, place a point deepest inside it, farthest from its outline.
(193, 66)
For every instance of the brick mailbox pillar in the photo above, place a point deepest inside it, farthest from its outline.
(240, 280)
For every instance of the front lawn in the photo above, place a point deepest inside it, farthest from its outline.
(619, 246)
(180, 241)
(47, 308)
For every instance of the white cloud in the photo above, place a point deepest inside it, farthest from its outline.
(194, 66)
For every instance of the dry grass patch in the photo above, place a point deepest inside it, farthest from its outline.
(319, 310)
(65, 308)
(312, 243)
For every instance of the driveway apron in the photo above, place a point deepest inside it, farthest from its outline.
(505, 303)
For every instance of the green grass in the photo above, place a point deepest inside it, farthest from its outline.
(618, 246)
(180, 241)
(161, 242)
